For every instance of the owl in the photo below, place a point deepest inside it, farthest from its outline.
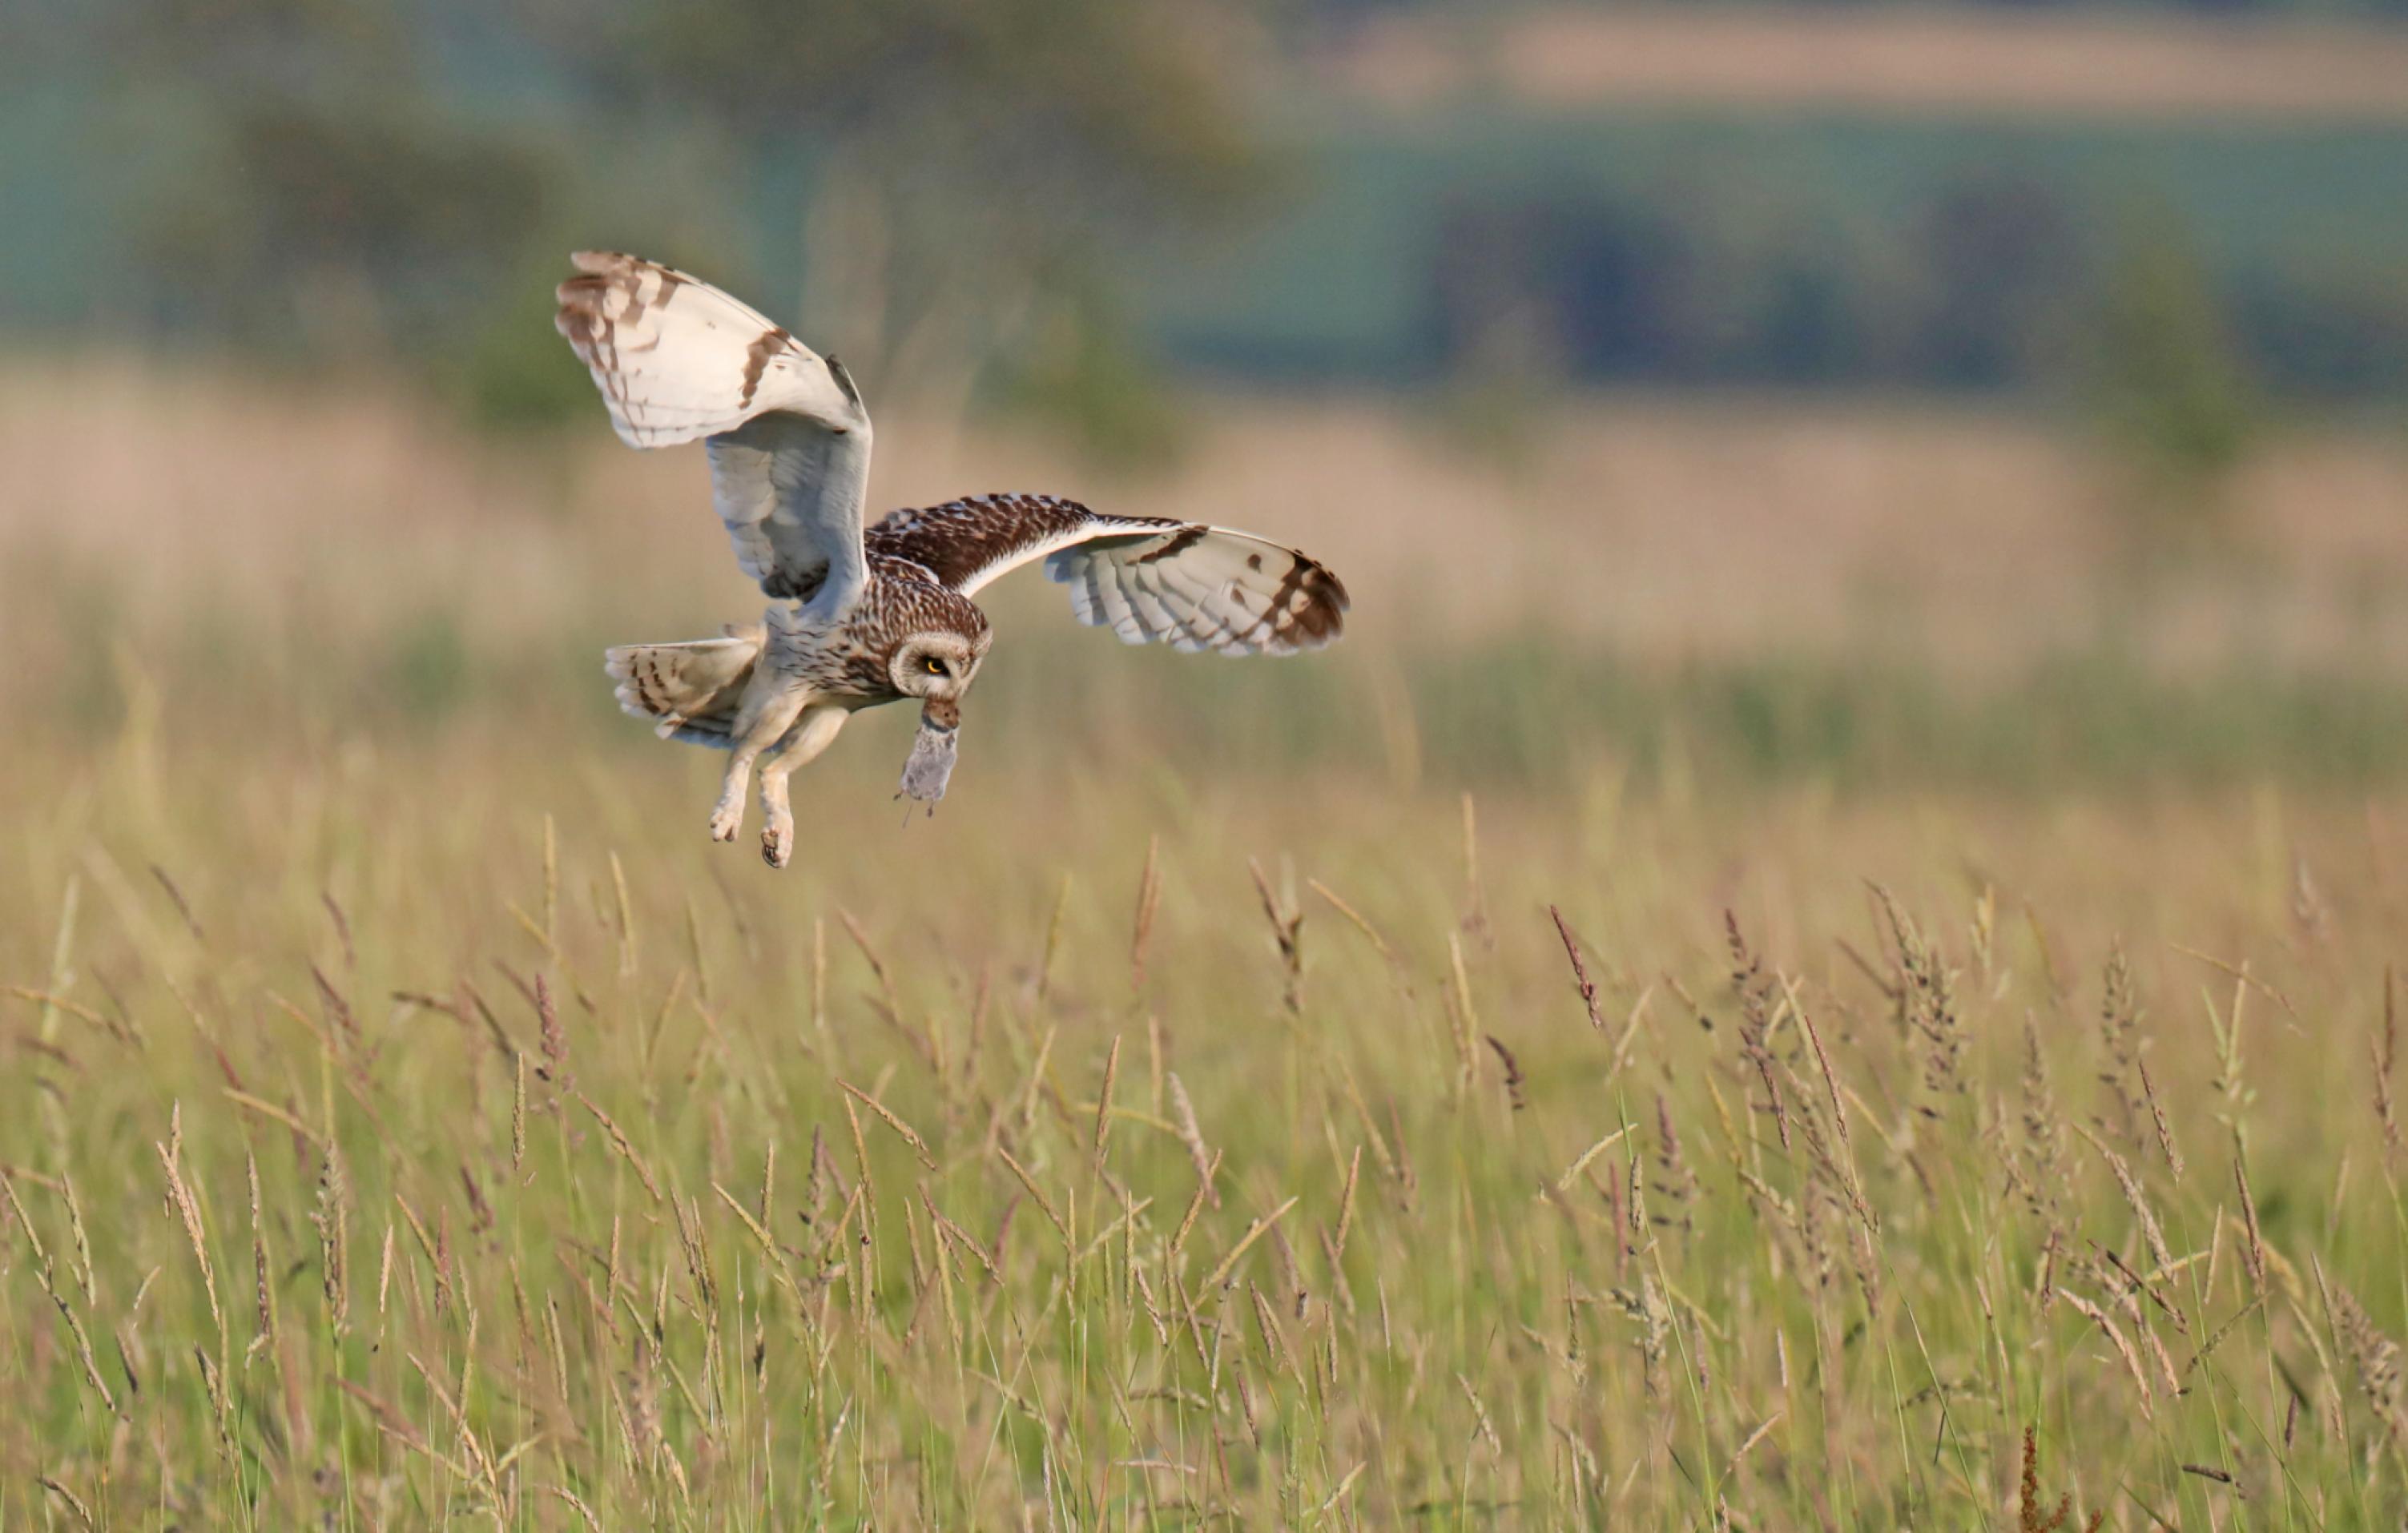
(862, 615)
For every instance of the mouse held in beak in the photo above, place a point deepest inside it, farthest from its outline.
(931, 762)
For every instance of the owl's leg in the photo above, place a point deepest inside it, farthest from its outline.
(767, 715)
(814, 733)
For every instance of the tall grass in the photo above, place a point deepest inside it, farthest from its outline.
(403, 1136)
(1831, 1092)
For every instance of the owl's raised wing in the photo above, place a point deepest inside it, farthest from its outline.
(1147, 579)
(678, 360)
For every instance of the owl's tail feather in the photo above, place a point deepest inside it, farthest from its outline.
(691, 690)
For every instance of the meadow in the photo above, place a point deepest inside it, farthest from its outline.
(1259, 1096)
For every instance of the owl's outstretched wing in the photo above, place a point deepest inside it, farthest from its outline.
(1147, 579)
(678, 360)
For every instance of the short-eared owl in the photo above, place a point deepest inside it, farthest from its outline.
(862, 616)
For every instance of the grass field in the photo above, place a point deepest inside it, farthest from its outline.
(409, 1137)
(411, 1119)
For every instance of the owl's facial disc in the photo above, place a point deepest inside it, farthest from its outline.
(936, 668)
(935, 665)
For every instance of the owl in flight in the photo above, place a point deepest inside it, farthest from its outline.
(863, 615)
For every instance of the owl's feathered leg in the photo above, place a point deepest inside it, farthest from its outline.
(769, 713)
(814, 733)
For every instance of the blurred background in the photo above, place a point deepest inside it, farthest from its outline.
(1996, 394)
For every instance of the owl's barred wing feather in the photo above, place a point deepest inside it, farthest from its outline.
(1147, 579)
(1195, 587)
(691, 690)
(678, 360)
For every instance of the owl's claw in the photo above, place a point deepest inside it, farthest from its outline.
(777, 820)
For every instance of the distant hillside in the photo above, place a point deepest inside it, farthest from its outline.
(2244, 63)
(1713, 242)
(1969, 198)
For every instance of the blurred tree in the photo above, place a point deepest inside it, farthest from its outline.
(954, 191)
(2001, 257)
(970, 164)
(1541, 284)
(1497, 326)
(1809, 327)
(310, 189)
(2170, 391)
(2336, 329)
(1079, 371)
(377, 178)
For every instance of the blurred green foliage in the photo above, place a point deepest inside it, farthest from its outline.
(2173, 395)
(968, 164)
(1520, 712)
(1087, 371)
(1719, 247)
(428, 672)
(1038, 203)
(388, 179)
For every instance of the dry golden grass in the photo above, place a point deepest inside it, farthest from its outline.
(411, 1118)
(1890, 60)
(404, 1136)
(1663, 531)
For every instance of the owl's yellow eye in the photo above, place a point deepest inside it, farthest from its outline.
(933, 666)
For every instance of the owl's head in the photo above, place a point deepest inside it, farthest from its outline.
(938, 664)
